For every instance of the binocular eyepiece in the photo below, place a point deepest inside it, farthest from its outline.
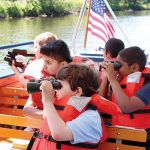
(33, 85)
(116, 65)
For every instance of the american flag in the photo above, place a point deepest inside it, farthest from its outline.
(99, 23)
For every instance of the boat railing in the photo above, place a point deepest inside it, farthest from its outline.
(15, 45)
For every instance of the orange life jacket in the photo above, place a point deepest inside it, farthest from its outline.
(68, 113)
(139, 119)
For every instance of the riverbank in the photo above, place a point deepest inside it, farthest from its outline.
(34, 8)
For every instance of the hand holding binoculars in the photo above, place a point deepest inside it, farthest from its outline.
(116, 65)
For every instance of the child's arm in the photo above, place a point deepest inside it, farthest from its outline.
(104, 83)
(20, 76)
(59, 130)
(31, 111)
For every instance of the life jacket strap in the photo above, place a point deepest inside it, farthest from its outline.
(144, 111)
(146, 75)
(59, 143)
(123, 86)
(30, 145)
(90, 106)
(59, 107)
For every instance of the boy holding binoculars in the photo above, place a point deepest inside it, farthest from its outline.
(55, 55)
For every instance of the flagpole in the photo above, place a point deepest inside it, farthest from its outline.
(86, 32)
(114, 16)
(78, 26)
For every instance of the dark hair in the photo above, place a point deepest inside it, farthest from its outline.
(113, 46)
(80, 76)
(57, 50)
(133, 55)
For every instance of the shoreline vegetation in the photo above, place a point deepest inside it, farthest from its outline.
(50, 8)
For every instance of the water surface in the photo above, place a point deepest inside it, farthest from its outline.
(135, 26)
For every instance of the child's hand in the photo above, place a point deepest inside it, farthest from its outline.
(103, 74)
(109, 68)
(23, 80)
(47, 90)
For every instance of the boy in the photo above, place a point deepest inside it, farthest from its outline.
(131, 91)
(71, 120)
(73, 125)
(112, 48)
(55, 55)
(36, 63)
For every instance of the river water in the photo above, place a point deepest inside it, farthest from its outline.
(134, 24)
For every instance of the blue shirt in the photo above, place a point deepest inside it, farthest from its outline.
(86, 127)
(144, 93)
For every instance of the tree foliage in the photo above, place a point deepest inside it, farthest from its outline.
(21, 8)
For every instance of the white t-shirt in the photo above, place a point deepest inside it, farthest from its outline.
(34, 68)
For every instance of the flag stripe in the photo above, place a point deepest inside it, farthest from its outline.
(98, 32)
(109, 26)
(98, 28)
(98, 35)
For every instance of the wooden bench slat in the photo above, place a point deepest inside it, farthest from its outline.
(114, 146)
(20, 121)
(12, 91)
(12, 101)
(13, 133)
(11, 111)
(19, 146)
(127, 134)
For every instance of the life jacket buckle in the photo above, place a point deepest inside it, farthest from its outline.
(35, 134)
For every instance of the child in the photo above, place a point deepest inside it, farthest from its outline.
(112, 48)
(69, 122)
(36, 63)
(55, 55)
(132, 91)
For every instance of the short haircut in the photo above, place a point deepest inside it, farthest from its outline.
(80, 76)
(57, 50)
(133, 55)
(44, 38)
(113, 46)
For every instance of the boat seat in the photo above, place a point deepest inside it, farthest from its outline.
(16, 137)
(117, 135)
(12, 120)
(12, 123)
(124, 138)
(12, 100)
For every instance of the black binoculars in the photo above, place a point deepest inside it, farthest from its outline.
(116, 65)
(33, 85)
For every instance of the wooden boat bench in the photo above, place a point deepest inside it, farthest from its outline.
(123, 138)
(12, 101)
(115, 133)
(12, 120)
(16, 137)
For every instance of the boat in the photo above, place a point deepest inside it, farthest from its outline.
(12, 121)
